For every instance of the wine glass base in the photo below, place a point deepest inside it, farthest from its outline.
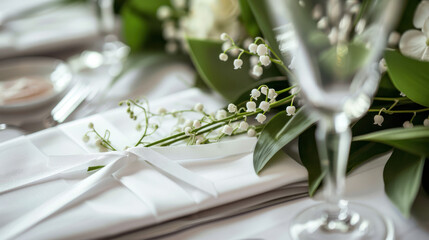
(362, 222)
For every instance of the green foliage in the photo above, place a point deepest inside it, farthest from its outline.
(221, 76)
(413, 140)
(310, 159)
(139, 23)
(248, 19)
(281, 130)
(409, 76)
(406, 21)
(262, 17)
(402, 176)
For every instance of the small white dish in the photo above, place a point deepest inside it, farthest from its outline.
(31, 82)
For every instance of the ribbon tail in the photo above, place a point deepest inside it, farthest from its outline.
(176, 170)
(22, 224)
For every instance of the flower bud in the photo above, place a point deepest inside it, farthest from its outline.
(85, 138)
(163, 12)
(199, 107)
(408, 124)
(251, 132)
(187, 131)
(223, 57)
(426, 122)
(162, 110)
(224, 37)
(196, 124)
(378, 120)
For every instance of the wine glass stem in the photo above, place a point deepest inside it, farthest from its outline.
(106, 17)
(333, 137)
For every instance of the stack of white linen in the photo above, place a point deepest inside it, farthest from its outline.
(44, 195)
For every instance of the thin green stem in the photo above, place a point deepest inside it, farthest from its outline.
(399, 111)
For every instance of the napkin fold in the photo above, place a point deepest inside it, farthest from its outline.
(118, 162)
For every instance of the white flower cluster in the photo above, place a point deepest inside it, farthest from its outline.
(260, 53)
(204, 19)
(415, 43)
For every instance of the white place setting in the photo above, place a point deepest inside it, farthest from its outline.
(205, 119)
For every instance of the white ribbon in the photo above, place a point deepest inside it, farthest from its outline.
(116, 161)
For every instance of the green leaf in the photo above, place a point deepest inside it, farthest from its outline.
(139, 23)
(263, 18)
(248, 19)
(310, 159)
(402, 175)
(409, 76)
(221, 76)
(406, 22)
(277, 133)
(413, 140)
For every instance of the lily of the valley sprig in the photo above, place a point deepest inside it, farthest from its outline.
(208, 128)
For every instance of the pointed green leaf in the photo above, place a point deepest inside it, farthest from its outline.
(310, 159)
(409, 76)
(277, 133)
(221, 76)
(248, 19)
(402, 176)
(414, 140)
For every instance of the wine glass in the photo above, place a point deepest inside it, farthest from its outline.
(338, 45)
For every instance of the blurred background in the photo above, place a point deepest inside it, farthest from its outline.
(65, 59)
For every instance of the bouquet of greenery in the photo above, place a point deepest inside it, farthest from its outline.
(245, 61)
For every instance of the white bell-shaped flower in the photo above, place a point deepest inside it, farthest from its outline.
(261, 50)
(255, 93)
(264, 106)
(163, 12)
(243, 126)
(252, 48)
(265, 60)
(257, 71)
(227, 130)
(238, 63)
(382, 66)
(290, 110)
(272, 93)
(232, 108)
(378, 120)
(261, 118)
(162, 110)
(251, 106)
(221, 114)
(264, 90)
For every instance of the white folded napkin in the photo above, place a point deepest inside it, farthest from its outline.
(55, 197)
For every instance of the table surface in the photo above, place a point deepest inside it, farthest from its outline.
(268, 223)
